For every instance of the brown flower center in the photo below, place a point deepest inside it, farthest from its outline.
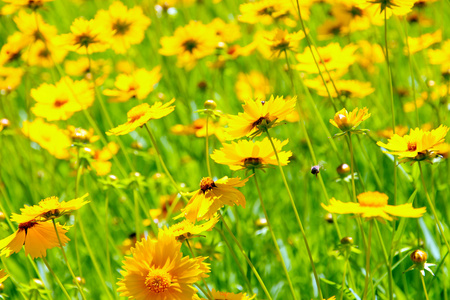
(252, 162)
(26, 225)
(121, 27)
(260, 121)
(58, 103)
(158, 281)
(190, 45)
(84, 40)
(207, 184)
(412, 146)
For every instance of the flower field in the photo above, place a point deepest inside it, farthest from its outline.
(220, 149)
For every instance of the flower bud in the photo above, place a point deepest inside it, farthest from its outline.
(38, 283)
(343, 169)
(80, 280)
(261, 222)
(419, 256)
(210, 104)
(112, 177)
(348, 240)
(136, 145)
(2, 216)
(329, 218)
(5, 123)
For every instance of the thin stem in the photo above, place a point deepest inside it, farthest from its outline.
(289, 71)
(155, 145)
(56, 278)
(424, 287)
(413, 81)
(386, 260)
(433, 210)
(75, 230)
(209, 294)
(369, 244)
(352, 166)
(252, 267)
(343, 278)
(294, 208)
(274, 239)
(136, 213)
(67, 261)
(208, 166)
(108, 258)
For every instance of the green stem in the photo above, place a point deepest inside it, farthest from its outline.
(75, 231)
(413, 81)
(252, 267)
(424, 287)
(352, 166)
(343, 278)
(209, 294)
(386, 259)
(294, 208)
(207, 147)
(56, 278)
(369, 244)
(274, 239)
(107, 254)
(136, 213)
(433, 210)
(67, 261)
(158, 152)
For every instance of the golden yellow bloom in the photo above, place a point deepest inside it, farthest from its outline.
(11, 50)
(137, 85)
(226, 32)
(353, 17)
(87, 36)
(230, 296)
(441, 56)
(333, 56)
(15, 5)
(371, 54)
(44, 54)
(346, 121)
(47, 209)
(80, 135)
(62, 100)
(211, 196)
(417, 145)
(48, 136)
(157, 270)
(3, 276)
(190, 43)
(347, 88)
(252, 86)
(374, 205)
(10, 78)
(282, 40)
(128, 25)
(443, 149)
(377, 8)
(245, 154)
(271, 11)
(37, 237)
(198, 127)
(423, 42)
(165, 203)
(141, 114)
(187, 229)
(100, 158)
(32, 27)
(259, 116)
(388, 132)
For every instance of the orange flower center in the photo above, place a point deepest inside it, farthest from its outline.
(373, 199)
(207, 184)
(412, 146)
(26, 225)
(59, 103)
(137, 112)
(158, 281)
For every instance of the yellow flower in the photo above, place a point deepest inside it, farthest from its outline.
(353, 17)
(417, 145)
(48, 136)
(128, 25)
(81, 67)
(388, 132)
(10, 78)
(3, 276)
(141, 114)
(249, 154)
(165, 203)
(423, 42)
(270, 11)
(44, 54)
(441, 56)
(15, 5)
(346, 121)
(199, 129)
(348, 88)
(259, 116)
(252, 86)
(211, 196)
(33, 28)
(371, 54)
(378, 7)
(87, 36)
(187, 229)
(80, 135)
(226, 33)
(135, 85)
(47, 209)
(10, 51)
(333, 56)
(100, 158)
(282, 41)
(37, 237)
(157, 270)
(62, 100)
(230, 296)
(190, 43)
(374, 205)
(443, 149)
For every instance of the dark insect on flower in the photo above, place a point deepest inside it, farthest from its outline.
(316, 169)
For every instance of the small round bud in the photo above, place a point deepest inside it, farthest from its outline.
(431, 83)
(261, 222)
(419, 256)
(136, 174)
(38, 283)
(157, 176)
(113, 177)
(210, 104)
(2, 287)
(136, 145)
(80, 280)
(343, 169)
(80, 135)
(161, 96)
(329, 218)
(2, 216)
(88, 76)
(348, 240)
(87, 150)
(5, 123)
(221, 45)
(202, 85)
